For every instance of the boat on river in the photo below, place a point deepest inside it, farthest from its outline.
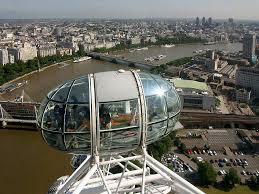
(160, 57)
(82, 59)
(168, 45)
(142, 49)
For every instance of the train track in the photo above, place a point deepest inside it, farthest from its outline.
(193, 117)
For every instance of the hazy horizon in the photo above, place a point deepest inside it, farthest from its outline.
(131, 9)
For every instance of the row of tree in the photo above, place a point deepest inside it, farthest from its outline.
(208, 176)
(161, 69)
(158, 149)
(178, 39)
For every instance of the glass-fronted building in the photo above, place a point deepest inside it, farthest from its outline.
(111, 112)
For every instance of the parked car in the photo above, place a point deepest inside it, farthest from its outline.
(243, 173)
(248, 173)
(200, 159)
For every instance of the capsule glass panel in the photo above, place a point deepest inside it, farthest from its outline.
(62, 93)
(155, 89)
(173, 102)
(54, 140)
(119, 124)
(53, 117)
(80, 91)
(150, 85)
(119, 140)
(156, 131)
(156, 108)
(41, 110)
(78, 142)
(65, 117)
(77, 118)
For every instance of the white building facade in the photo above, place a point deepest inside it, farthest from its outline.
(24, 53)
(3, 57)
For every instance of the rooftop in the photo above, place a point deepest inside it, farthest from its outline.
(180, 83)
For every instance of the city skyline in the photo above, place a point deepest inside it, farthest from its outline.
(34, 9)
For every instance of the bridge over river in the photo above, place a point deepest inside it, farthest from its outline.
(121, 61)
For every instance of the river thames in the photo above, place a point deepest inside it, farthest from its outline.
(28, 165)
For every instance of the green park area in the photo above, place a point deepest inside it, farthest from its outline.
(236, 190)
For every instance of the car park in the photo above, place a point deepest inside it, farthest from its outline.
(228, 164)
(178, 165)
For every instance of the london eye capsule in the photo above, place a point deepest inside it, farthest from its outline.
(111, 112)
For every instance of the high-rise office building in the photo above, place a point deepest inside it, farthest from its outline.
(210, 21)
(58, 32)
(3, 57)
(231, 20)
(248, 77)
(197, 21)
(203, 21)
(249, 44)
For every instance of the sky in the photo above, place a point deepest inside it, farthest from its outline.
(220, 9)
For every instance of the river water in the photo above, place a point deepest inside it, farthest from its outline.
(28, 165)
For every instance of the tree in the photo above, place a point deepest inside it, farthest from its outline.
(254, 182)
(81, 51)
(177, 142)
(158, 149)
(217, 102)
(207, 174)
(182, 147)
(231, 178)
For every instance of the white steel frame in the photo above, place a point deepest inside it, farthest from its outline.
(94, 176)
